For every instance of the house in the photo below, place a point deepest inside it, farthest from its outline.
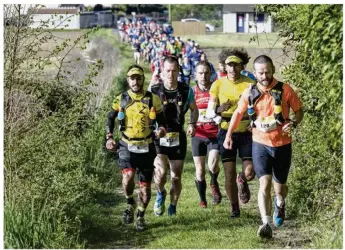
(59, 17)
(243, 18)
(81, 7)
(56, 18)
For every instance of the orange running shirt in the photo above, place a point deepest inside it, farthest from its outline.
(265, 107)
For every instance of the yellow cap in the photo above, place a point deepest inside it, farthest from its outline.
(234, 59)
(135, 71)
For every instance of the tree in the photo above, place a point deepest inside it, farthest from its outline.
(45, 114)
(98, 7)
(200, 11)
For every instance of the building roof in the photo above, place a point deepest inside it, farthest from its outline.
(57, 11)
(238, 8)
(71, 5)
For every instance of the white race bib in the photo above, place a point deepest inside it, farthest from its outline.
(170, 140)
(138, 147)
(202, 116)
(265, 124)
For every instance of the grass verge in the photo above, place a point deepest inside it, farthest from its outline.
(262, 40)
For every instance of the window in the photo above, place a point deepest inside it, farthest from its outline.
(259, 17)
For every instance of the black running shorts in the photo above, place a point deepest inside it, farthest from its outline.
(143, 163)
(202, 146)
(174, 153)
(241, 142)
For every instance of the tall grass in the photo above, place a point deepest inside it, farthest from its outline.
(49, 177)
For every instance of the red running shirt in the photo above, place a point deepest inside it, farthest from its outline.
(205, 128)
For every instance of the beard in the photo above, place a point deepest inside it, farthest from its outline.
(137, 88)
(265, 82)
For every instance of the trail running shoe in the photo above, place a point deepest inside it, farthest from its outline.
(235, 214)
(243, 189)
(159, 206)
(140, 224)
(203, 204)
(217, 196)
(278, 214)
(265, 231)
(171, 210)
(235, 210)
(128, 215)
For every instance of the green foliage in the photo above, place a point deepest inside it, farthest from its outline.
(315, 32)
(201, 11)
(39, 226)
(46, 116)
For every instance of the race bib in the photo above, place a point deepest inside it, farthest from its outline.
(266, 124)
(202, 116)
(170, 140)
(138, 147)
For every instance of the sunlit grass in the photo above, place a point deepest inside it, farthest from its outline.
(263, 40)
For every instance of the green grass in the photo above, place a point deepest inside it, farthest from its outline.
(192, 227)
(217, 40)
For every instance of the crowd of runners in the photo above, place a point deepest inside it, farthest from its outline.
(153, 42)
(232, 112)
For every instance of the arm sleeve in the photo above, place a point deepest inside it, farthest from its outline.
(111, 121)
(112, 115)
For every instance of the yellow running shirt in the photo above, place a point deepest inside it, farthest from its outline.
(137, 114)
(223, 90)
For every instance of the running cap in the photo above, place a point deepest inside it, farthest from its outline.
(234, 59)
(135, 71)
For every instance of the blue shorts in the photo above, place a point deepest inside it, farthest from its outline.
(274, 161)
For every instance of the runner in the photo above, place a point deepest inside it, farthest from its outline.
(136, 148)
(268, 104)
(205, 140)
(227, 92)
(176, 98)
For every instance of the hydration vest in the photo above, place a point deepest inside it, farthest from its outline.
(180, 101)
(277, 94)
(126, 101)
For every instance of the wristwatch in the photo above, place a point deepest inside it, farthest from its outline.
(193, 124)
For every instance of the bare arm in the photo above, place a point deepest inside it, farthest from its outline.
(234, 122)
(194, 116)
(194, 113)
(299, 115)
